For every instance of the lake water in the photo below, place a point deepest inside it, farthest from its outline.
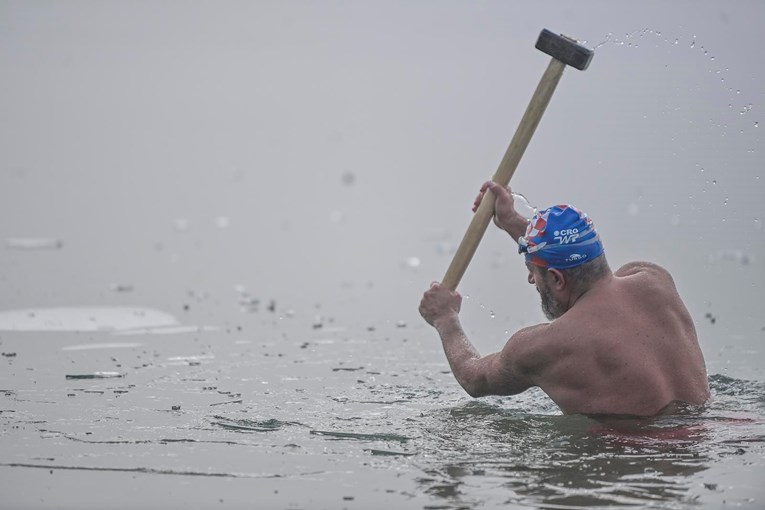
(216, 223)
(298, 416)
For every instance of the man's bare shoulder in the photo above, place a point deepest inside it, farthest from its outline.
(643, 267)
(534, 348)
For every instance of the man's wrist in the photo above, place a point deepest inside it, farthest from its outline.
(516, 226)
(447, 322)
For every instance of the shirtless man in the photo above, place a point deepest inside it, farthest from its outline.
(619, 343)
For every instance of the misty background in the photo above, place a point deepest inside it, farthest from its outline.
(325, 156)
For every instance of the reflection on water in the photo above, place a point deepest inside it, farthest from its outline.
(568, 462)
(558, 461)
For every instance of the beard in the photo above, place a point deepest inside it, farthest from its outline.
(550, 307)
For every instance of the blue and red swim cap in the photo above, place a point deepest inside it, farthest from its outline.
(560, 237)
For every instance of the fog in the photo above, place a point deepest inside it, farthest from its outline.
(325, 155)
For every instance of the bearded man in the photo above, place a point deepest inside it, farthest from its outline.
(619, 343)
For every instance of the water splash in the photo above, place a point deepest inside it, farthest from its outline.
(629, 37)
(523, 206)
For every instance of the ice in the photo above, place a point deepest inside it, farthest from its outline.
(84, 319)
(34, 243)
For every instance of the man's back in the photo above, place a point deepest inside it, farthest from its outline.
(628, 346)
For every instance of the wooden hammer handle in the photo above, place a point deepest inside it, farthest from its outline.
(507, 167)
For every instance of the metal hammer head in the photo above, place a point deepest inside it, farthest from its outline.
(565, 49)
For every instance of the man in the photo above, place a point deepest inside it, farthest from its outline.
(619, 343)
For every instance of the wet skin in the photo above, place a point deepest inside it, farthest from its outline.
(623, 345)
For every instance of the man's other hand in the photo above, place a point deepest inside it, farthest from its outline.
(439, 303)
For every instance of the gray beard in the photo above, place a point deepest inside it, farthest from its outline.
(551, 308)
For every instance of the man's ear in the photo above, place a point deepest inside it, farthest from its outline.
(558, 279)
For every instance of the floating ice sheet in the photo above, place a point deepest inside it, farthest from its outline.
(166, 330)
(109, 345)
(34, 243)
(75, 319)
(96, 375)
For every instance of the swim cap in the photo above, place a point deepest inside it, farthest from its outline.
(560, 237)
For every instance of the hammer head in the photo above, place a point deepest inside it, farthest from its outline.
(565, 49)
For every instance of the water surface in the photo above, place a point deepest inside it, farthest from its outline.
(292, 421)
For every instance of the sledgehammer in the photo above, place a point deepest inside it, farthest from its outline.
(564, 51)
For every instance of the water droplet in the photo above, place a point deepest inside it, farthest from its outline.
(714, 181)
(725, 202)
(693, 42)
(711, 58)
(491, 315)
(702, 169)
(756, 124)
(676, 42)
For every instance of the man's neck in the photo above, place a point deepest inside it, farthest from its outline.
(580, 292)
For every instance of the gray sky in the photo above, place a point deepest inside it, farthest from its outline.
(118, 120)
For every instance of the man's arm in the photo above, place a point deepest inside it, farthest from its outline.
(507, 372)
